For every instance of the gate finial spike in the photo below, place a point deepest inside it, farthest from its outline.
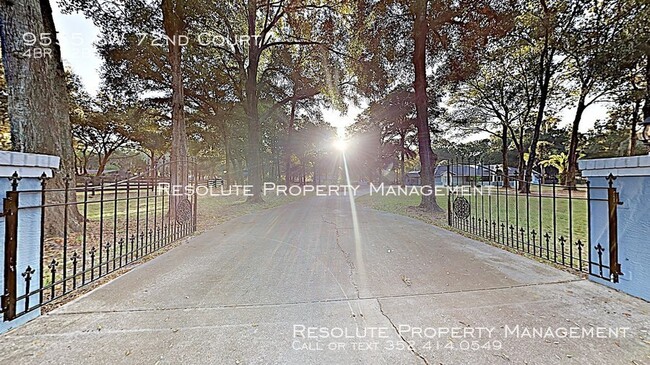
(28, 273)
(43, 179)
(14, 180)
(611, 179)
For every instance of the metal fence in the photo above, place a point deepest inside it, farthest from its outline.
(548, 221)
(87, 233)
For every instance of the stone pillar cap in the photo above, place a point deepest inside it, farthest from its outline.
(617, 166)
(27, 164)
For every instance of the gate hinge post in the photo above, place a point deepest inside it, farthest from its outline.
(10, 212)
(613, 199)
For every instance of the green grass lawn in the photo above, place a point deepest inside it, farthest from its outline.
(559, 217)
(539, 212)
(99, 205)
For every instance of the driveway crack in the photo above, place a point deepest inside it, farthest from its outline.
(413, 350)
(348, 258)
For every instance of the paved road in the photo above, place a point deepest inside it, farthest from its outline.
(298, 284)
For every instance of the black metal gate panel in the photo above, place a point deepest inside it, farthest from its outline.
(88, 232)
(547, 220)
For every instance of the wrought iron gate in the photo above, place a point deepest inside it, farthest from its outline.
(546, 220)
(103, 226)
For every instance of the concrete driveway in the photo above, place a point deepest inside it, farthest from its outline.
(300, 285)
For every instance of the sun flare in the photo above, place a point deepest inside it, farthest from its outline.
(340, 145)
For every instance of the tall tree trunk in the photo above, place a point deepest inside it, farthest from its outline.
(84, 166)
(402, 168)
(570, 178)
(287, 147)
(236, 176)
(102, 161)
(254, 128)
(278, 170)
(504, 155)
(544, 75)
(544, 80)
(304, 170)
(271, 170)
(521, 166)
(633, 132)
(646, 106)
(38, 99)
(226, 175)
(174, 24)
(427, 157)
(518, 140)
(152, 164)
(402, 157)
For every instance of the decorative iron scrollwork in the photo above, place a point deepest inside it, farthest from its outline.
(462, 208)
(183, 211)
